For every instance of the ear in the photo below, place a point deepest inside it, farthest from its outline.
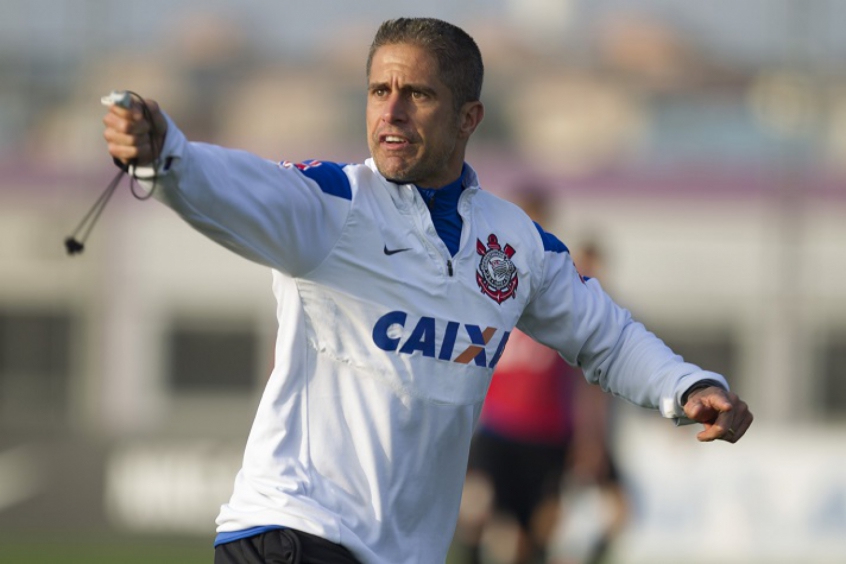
(470, 116)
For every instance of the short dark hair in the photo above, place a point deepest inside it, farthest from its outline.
(458, 56)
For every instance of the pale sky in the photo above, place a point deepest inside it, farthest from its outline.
(748, 31)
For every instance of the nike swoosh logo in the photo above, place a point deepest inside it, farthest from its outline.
(390, 252)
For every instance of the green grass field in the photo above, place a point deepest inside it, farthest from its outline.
(33, 549)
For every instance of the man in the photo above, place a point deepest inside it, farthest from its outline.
(398, 282)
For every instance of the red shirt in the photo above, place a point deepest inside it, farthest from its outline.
(531, 395)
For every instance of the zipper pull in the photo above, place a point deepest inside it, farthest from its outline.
(449, 267)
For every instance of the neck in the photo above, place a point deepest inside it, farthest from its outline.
(456, 178)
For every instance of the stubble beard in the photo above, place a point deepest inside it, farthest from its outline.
(417, 170)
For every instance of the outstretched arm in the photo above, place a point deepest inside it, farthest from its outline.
(577, 318)
(279, 215)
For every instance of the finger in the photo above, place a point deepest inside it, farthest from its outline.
(704, 404)
(703, 411)
(125, 147)
(124, 153)
(133, 112)
(721, 427)
(741, 419)
(717, 432)
(698, 412)
(126, 123)
(115, 137)
(139, 111)
(718, 400)
(712, 432)
(740, 428)
(141, 153)
(706, 436)
(727, 427)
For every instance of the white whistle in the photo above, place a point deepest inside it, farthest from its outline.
(120, 98)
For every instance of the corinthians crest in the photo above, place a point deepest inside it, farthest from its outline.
(496, 275)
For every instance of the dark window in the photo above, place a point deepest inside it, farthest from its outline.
(212, 357)
(35, 358)
(715, 351)
(833, 388)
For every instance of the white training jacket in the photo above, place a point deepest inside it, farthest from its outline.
(387, 343)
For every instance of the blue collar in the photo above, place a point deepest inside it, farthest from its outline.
(446, 198)
(443, 207)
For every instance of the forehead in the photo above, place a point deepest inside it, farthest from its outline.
(405, 62)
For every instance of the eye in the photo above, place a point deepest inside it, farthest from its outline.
(418, 95)
(379, 91)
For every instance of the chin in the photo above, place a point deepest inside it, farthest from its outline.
(395, 176)
(398, 179)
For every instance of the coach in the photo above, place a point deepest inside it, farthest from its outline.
(398, 281)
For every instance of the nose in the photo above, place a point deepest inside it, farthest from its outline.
(395, 110)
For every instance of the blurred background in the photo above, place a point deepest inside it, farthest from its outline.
(702, 144)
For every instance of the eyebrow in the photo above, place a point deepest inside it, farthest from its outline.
(428, 90)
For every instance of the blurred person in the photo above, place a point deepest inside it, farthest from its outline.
(541, 425)
(592, 476)
(398, 282)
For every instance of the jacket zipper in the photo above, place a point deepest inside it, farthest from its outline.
(430, 204)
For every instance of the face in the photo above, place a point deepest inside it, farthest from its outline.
(415, 134)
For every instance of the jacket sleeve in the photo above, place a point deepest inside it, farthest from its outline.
(283, 216)
(577, 318)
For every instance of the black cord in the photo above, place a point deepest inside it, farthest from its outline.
(153, 138)
(75, 245)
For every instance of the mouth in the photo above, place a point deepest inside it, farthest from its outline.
(394, 141)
